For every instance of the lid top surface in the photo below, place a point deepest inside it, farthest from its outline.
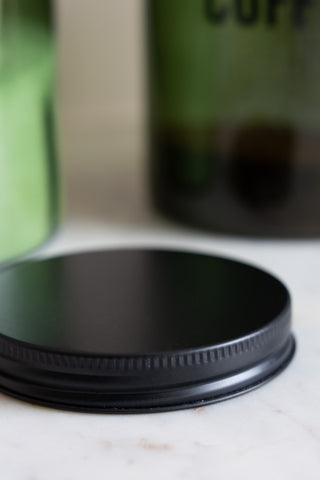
(135, 302)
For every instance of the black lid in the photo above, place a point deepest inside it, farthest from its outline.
(139, 330)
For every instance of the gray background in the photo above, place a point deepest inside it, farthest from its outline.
(101, 92)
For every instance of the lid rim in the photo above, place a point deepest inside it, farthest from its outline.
(205, 393)
(20, 351)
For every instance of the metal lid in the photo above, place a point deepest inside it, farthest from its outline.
(140, 330)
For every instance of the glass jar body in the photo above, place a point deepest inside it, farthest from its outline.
(234, 114)
(28, 169)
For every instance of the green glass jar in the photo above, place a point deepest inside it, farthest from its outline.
(235, 114)
(28, 177)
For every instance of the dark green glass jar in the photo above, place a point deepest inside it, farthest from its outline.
(235, 114)
(28, 180)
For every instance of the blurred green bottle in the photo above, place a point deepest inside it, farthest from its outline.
(235, 114)
(28, 179)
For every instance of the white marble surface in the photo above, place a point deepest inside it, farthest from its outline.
(273, 432)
